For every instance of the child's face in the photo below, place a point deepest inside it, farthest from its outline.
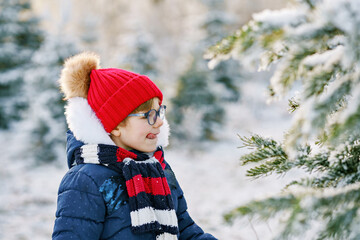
(138, 134)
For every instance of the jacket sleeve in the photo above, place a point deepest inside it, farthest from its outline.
(188, 229)
(80, 208)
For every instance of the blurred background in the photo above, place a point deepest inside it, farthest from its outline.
(164, 39)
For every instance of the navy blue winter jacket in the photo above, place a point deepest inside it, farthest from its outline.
(92, 204)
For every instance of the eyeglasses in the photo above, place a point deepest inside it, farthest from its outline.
(151, 115)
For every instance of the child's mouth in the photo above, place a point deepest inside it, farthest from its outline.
(151, 136)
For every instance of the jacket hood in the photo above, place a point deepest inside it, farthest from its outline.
(71, 145)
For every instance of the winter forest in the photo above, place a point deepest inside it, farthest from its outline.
(263, 102)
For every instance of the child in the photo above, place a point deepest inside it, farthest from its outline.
(119, 186)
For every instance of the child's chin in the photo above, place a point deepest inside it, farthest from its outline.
(148, 149)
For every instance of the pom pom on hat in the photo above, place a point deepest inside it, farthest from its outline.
(75, 76)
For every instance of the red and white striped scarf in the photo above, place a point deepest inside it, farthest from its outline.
(150, 201)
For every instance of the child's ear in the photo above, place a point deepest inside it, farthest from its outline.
(116, 131)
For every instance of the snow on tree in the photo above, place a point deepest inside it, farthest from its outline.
(19, 38)
(43, 126)
(201, 93)
(313, 47)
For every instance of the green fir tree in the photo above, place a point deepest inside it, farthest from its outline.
(143, 58)
(201, 93)
(20, 36)
(43, 125)
(312, 46)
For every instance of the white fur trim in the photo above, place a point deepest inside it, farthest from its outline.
(163, 137)
(149, 214)
(83, 122)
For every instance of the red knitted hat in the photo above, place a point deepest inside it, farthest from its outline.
(111, 93)
(114, 93)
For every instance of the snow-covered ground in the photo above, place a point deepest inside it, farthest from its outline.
(210, 175)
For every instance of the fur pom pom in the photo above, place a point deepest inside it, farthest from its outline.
(75, 76)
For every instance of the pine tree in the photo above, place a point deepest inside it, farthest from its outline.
(143, 58)
(19, 38)
(312, 46)
(201, 93)
(43, 126)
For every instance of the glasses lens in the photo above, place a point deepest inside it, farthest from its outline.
(152, 116)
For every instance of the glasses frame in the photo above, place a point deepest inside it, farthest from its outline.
(147, 114)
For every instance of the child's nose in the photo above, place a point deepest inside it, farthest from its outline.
(159, 122)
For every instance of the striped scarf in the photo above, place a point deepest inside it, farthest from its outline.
(150, 201)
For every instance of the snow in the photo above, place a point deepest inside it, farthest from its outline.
(313, 194)
(352, 105)
(328, 59)
(301, 25)
(281, 18)
(277, 78)
(27, 200)
(340, 12)
(344, 15)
